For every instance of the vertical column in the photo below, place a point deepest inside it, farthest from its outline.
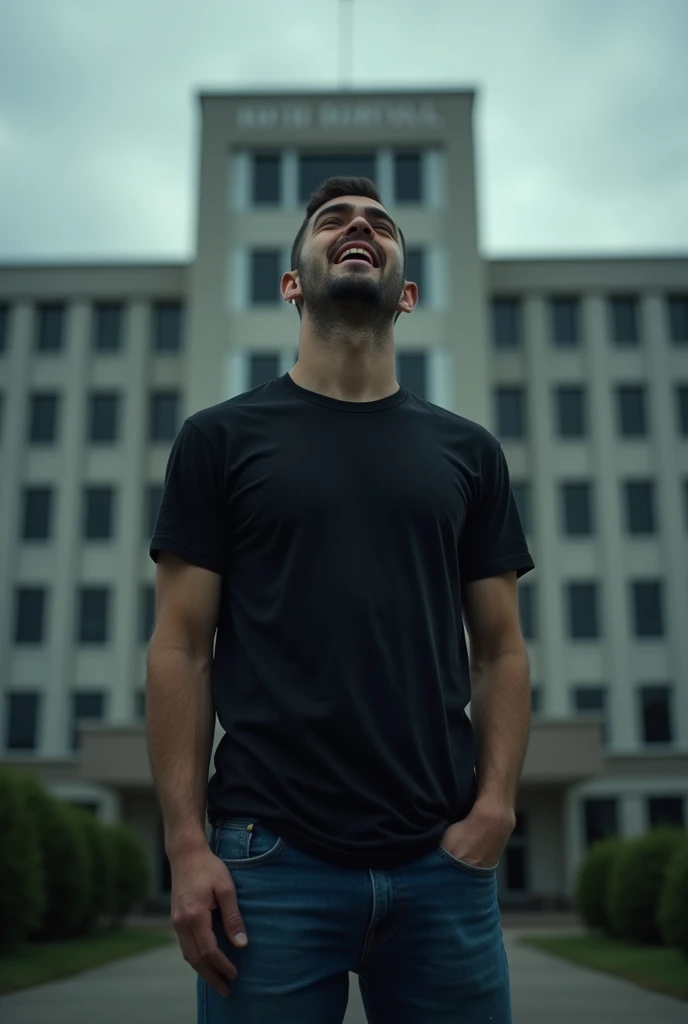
(549, 582)
(385, 176)
(290, 180)
(610, 543)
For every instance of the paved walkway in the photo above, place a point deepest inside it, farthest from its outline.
(158, 988)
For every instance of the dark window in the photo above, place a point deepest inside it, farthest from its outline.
(98, 513)
(570, 411)
(407, 178)
(415, 271)
(678, 318)
(591, 700)
(43, 410)
(22, 721)
(648, 618)
(631, 411)
(583, 611)
(109, 317)
(623, 311)
(665, 811)
(266, 184)
(50, 332)
(655, 708)
(88, 704)
(37, 513)
(147, 611)
(412, 372)
(640, 507)
(600, 819)
(140, 704)
(682, 409)
(153, 499)
(103, 417)
(521, 492)
(536, 699)
(265, 276)
(515, 870)
(30, 615)
(164, 415)
(565, 322)
(315, 168)
(168, 320)
(527, 610)
(93, 615)
(4, 327)
(263, 367)
(576, 499)
(511, 413)
(506, 323)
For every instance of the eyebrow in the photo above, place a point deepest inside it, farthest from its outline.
(369, 211)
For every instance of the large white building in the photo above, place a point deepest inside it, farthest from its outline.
(579, 366)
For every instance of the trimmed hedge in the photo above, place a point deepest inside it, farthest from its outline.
(673, 902)
(132, 871)
(101, 869)
(636, 881)
(592, 883)
(22, 882)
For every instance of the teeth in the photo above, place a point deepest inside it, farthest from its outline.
(363, 252)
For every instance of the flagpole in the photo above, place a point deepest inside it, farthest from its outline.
(346, 44)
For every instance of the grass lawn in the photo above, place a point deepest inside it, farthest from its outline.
(36, 963)
(657, 968)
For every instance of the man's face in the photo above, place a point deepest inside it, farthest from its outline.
(352, 261)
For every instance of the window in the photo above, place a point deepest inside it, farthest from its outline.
(565, 322)
(22, 721)
(4, 327)
(98, 509)
(588, 699)
(140, 704)
(682, 409)
(415, 271)
(640, 507)
(164, 415)
(516, 857)
(167, 320)
(93, 615)
(153, 499)
(631, 411)
(648, 618)
(583, 611)
(407, 178)
(678, 318)
(263, 367)
(655, 709)
(87, 704)
(665, 811)
(412, 372)
(536, 700)
(43, 410)
(600, 819)
(37, 513)
(50, 327)
(147, 611)
(103, 417)
(265, 276)
(108, 326)
(506, 323)
(521, 492)
(511, 413)
(315, 168)
(570, 411)
(527, 610)
(576, 507)
(266, 181)
(29, 620)
(623, 311)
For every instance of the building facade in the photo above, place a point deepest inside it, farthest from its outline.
(579, 366)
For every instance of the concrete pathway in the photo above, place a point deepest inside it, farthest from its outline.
(158, 988)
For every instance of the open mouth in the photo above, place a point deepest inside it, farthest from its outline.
(356, 254)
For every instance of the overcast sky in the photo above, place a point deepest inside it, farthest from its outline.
(581, 117)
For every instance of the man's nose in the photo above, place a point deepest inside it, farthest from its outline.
(359, 225)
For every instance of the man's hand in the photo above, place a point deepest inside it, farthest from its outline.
(200, 883)
(481, 837)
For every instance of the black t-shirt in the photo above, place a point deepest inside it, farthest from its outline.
(343, 533)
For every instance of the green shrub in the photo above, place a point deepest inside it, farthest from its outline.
(673, 901)
(636, 882)
(101, 869)
(592, 883)
(22, 882)
(132, 872)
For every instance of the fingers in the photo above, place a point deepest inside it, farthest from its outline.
(234, 927)
(199, 948)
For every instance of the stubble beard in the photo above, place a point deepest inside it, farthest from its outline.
(351, 300)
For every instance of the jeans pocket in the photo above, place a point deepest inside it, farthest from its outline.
(245, 843)
(471, 869)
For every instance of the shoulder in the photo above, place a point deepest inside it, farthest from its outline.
(469, 434)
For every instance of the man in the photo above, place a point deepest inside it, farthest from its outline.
(338, 531)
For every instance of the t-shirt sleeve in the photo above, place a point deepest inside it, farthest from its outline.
(492, 541)
(192, 520)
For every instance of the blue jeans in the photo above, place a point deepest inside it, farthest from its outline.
(425, 939)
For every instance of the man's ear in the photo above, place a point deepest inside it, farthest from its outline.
(290, 287)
